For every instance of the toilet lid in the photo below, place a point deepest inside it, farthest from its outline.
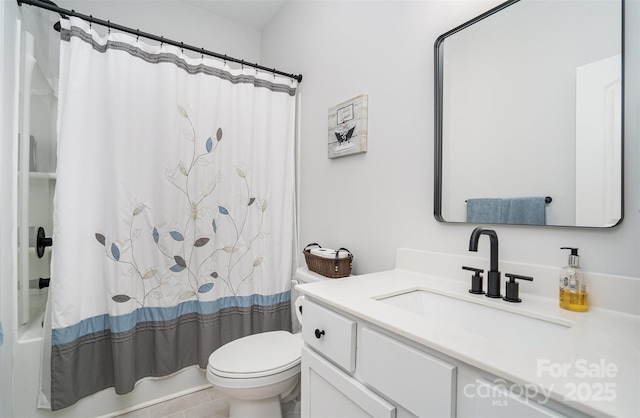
(257, 355)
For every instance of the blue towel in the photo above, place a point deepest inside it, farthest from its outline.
(517, 210)
(484, 210)
(524, 211)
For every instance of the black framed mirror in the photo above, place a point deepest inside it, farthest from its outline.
(529, 115)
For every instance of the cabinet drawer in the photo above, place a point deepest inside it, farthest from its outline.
(329, 333)
(423, 384)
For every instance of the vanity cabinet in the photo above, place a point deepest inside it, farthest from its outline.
(337, 384)
(328, 355)
(351, 368)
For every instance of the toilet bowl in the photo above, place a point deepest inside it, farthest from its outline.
(257, 371)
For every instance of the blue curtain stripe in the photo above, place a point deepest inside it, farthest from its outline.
(123, 323)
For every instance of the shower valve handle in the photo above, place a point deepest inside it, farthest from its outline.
(319, 333)
(42, 242)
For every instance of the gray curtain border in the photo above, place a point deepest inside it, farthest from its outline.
(166, 57)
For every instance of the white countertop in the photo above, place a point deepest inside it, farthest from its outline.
(593, 366)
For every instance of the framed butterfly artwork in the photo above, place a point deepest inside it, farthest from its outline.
(348, 127)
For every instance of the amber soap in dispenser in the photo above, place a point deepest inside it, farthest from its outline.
(573, 285)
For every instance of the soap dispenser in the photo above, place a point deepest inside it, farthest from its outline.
(573, 285)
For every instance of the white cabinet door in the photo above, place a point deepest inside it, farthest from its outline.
(494, 401)
(328, 392)
(413, 379)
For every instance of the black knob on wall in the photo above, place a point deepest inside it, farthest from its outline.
(42, 242)
(319, 333)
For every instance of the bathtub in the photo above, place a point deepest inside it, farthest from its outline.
(26, 378)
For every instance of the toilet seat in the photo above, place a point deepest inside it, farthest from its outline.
(279, 351)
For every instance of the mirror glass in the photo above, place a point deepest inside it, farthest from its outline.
(529, 108)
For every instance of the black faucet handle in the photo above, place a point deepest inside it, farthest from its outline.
(512, 288)
(476, 280)
(513, 277)
(478, 271)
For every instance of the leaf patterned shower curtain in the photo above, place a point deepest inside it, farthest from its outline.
(174, 218)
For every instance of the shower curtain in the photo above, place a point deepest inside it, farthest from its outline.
(174, 220)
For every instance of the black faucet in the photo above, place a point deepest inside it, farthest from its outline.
(493, 281)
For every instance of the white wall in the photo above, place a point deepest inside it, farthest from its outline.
(375, 202)
(7, 208)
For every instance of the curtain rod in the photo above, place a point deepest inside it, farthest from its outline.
(54, 8)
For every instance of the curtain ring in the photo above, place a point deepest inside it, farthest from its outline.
(137, 35)
(182, 48)
(202, 53)
(225, 60)
(108, 27)
(90, 21)
(242, 65)
(161, 41)
(274, 73)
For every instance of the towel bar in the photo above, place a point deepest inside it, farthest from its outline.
(547, 200)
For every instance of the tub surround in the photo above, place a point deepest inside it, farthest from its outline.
(593, 366)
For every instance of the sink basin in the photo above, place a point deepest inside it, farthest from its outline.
(495, 323)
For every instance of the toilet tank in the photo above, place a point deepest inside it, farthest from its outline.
(303, 275)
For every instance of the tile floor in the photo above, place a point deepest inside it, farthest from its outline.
(204, 403)
(207, 403)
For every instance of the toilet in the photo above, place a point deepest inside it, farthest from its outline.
(256, 372)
